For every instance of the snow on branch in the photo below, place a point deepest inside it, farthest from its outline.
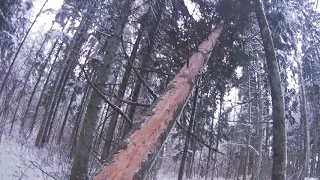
(105, 99)
(57, 34)
(242, 145)
(199, 139)
(13, 38)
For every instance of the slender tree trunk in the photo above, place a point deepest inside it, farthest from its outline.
(44, 124)
(65, 69)
(75, 129)
(144, 63)
(209, 152)
(54, 108)
(306, 138)
(79, 169)
(19, 49)
(246, 162)
(122, 89)
(66, 116)
(219, 134)
(71, 60)
(22, 92)
(188, 136)
(158, 163)
(279, 128)
(42, 70)
(144, 143)
(39, 77)
(43, 92)
(257, 174)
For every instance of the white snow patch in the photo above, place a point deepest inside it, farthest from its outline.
(21, 160)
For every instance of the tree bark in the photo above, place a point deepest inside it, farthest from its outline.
(188, 136)
(120, 95)
(306, 138)
(257, 174)
(23, 120)
(19, 48)
(43, 91)
(59, 137)
(22, 92)
(144, 63)
(279, 128)
(79, 169)
(137, 154)
(246, 162)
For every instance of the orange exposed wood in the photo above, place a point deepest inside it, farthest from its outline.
(128, 161)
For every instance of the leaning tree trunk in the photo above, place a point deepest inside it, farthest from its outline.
(279, 128)
(144, 142)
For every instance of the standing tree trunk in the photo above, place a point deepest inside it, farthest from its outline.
(22, 93)
(188, 136)
(219, 133)
(306, 139)
(19, 49)
(34, 117)
(246, 162)
(143, 143)
(279, 128)
(66, 67)
(42, 69)
(79, 169)
(122, 89)
(257, 174)
(59, 137)
(144, 63)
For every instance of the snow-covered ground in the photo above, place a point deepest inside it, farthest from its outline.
(22, 160)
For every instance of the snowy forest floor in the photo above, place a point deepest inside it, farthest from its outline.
(20, 159)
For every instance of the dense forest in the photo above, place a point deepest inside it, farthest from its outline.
(160, 89)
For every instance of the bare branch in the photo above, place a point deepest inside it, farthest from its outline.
(129, 102)
(35, 165)
(103, 97)
(149, 89)
(199, 139)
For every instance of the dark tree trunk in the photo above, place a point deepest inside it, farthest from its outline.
(120, 95)
(43, 91)
(66, 116)
(188, 136)
(79, 169)
(279, 129)
(19, 49)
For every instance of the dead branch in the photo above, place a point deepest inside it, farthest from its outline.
(105, 99)
(149, 89)
(129, 102)
(36, 166)
(199, 139)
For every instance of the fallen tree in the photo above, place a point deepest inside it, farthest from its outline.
(135, 156)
